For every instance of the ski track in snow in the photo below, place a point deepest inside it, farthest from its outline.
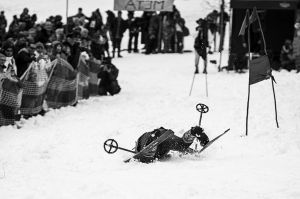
(61, 154)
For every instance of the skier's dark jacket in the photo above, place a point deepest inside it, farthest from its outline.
(159, 152)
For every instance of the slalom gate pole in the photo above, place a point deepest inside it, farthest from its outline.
(248, 63)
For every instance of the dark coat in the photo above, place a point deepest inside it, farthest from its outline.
(108, 76)
(118, 27)
(201, 41)
(73, 59)
(23, 60)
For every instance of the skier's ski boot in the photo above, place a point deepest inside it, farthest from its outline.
(198, 132)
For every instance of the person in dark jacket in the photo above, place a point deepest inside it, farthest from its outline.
(108, 76)
(24, 57)
(153, 30)
(133, 26)
(200, 44)
(75, 50)
(174, 143)
(118, 27)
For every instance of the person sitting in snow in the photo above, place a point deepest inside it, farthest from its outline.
(174, 143)
(108, 75)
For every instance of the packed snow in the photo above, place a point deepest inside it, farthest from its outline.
(60, 155)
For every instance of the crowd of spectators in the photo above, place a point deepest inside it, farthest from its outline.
(25, 40)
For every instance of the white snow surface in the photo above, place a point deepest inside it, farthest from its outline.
(61, 156)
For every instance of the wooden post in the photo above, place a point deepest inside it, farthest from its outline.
(221, 42)
(67, 14)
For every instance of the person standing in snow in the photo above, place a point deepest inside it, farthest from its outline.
(200, 44)
(118, 27)
(296, 50)
(174, 143)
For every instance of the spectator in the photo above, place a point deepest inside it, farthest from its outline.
(118, 27)
(25, 18)
(108, 75)
(24, 57)
(80, 14)
(179, 27)
(296, 50)
(3, 25)
(145, 20)
(109, 21)
(167, 31)
(10, 63)
(286, 55)
(95, 22)
(152, 40)
(133, 27)
(200, 44)
(2, 61)
(74, 43)
(13, 27)
(212, 20)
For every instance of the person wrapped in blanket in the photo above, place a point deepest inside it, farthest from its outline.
(174, 143)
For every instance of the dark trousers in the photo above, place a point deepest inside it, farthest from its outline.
(117, 45)
(135, 37)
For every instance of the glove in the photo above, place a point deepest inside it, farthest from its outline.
(198, 132)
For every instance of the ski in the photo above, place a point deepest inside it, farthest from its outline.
(212, 141)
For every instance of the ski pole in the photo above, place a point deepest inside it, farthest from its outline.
(192, 84)
(111, 146)
(202, 108)
(206, 84)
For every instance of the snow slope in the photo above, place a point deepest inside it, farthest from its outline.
(61, 154)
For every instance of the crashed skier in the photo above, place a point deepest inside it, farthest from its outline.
(174, 143)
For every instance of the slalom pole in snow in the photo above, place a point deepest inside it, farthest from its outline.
(111, 146)
(202, 108)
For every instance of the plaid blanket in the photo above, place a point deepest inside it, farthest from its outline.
(10, 99)
(93, 74)
(62, 86)
(83, 80)
(35, 83)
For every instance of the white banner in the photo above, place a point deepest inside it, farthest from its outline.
(144, 5)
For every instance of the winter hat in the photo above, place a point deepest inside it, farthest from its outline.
(39, 44)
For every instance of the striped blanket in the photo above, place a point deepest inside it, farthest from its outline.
(10, 99)
(35, 84)
(62, 86)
